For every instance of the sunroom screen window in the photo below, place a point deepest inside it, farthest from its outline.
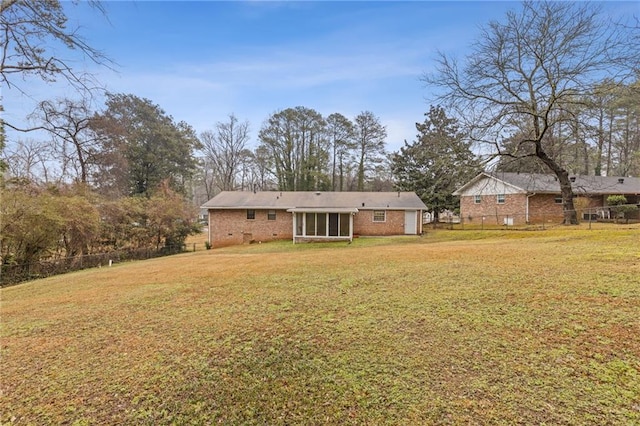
(310, 228)
(321, 229)
(344, 224)
(333, 224)
(299, 223)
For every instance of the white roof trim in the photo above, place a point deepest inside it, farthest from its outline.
(322, 210)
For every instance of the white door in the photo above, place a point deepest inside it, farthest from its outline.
(410, 227)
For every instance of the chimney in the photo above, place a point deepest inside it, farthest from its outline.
(620, 180)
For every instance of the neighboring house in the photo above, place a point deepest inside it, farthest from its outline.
(517, 198)
(245, 217)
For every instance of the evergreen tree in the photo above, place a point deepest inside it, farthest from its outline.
(145, 146)
(437, 163)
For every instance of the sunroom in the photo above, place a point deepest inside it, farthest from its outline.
(322, 224)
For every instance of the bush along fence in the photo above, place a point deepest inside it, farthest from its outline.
(16, 273)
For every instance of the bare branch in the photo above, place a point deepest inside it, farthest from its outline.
(31, 31)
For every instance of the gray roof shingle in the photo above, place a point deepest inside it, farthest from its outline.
(543, 183)
(304, 199)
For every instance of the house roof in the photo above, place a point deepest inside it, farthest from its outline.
(303, 200)
(542, 183)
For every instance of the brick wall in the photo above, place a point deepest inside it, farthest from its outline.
(514, 207)
(363, 223)
(542, 208)
(230, 227)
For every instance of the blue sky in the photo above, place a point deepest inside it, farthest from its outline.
(201, 61)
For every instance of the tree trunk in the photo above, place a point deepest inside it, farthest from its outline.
(568, 209)
(361, 172)
(435, 218)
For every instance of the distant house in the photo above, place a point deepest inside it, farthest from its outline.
(517, 198)
(245, 217)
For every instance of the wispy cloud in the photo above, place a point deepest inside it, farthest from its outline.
(304, 68)
(253, 58)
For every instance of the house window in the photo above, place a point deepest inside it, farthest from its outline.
(558, 200)
(271, 215)
(251, 214)
(379, 215)
(500, 198)
(477, 199)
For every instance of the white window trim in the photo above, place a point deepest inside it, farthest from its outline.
(384, 214)
(501, 198)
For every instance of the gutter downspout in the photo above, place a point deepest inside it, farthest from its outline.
(209, 228)
(526, 207)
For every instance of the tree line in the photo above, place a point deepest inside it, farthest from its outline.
(297, 150)
(600, 136)
(133, 145)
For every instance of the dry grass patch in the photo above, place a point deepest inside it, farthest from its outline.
(499, 328)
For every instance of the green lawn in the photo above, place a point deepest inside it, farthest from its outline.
(456, 327)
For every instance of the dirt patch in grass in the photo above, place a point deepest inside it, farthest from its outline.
(520, 328)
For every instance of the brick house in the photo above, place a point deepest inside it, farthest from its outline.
(518, 198)
(244, 217)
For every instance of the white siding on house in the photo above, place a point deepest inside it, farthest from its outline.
(490, 187)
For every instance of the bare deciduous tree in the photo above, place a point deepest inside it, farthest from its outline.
(370, 136)
(536, 67)
(69, 123)
(294, 140)
(28, 160)
(223, 149)
(341, 138)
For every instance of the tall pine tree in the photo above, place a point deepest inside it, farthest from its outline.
(437, 163)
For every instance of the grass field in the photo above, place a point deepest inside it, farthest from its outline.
(456, 327)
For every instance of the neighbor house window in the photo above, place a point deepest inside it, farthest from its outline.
(379, 215)
(251, 214)
(271, 215)
(477, 199)
(558, 200)
(500, 198)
